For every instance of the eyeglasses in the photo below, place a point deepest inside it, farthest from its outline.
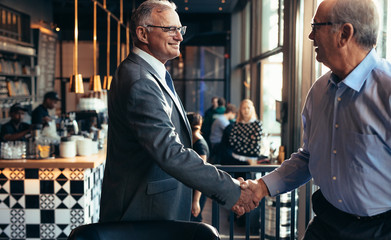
(172, 31)
(314, 25)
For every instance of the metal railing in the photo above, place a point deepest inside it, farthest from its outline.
(252, 172)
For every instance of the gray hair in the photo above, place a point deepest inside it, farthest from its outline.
(363, 15)
(142, 14)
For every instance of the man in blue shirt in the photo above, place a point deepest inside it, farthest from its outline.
(347, 129)
(217, 130)
(40, 115)
(15, 129)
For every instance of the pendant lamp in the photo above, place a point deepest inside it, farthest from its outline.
(108, 78)
(76, 80)
(95, 84)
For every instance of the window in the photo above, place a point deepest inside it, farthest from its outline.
(271, 91)
(270, 25)
(383, 47)
(246, 17)
(203, 77)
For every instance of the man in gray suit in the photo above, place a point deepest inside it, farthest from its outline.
(150, 167)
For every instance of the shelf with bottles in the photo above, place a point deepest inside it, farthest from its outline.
(14, 88)
(13, 65)
(24, 100)
(17, 74)
(14, 76)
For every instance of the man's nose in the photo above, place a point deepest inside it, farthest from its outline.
(178, 36)
(311, 35)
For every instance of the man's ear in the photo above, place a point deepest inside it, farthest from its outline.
(142, 34)
(346, 34)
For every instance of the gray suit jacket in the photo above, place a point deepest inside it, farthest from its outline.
(150, 168)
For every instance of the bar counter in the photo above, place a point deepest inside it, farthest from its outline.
(91, 161)
(47, 198)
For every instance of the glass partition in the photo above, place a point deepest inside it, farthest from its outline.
(271, 91)
(203, 77)
(270, 25)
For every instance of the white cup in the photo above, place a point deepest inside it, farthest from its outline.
(76, 137)
(94, 147)
(84, 147)
(68, 149)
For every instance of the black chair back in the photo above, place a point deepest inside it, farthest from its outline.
(145, 230)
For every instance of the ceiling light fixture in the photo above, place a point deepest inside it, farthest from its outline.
(76, 80)
(108, 78)
(95, 84)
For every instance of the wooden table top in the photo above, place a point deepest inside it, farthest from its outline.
(91, 161)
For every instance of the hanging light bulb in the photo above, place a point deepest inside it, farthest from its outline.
(76, 80)
(76, 84)
(95, 84)
(107, 82)
(107, 79)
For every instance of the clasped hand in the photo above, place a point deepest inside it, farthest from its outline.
(252, 192)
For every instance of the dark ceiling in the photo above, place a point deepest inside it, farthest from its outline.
(183, 6)
(201, 16)
(64, 9)
(205, 6)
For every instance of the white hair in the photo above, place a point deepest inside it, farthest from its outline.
(363, 15)
(142, 15)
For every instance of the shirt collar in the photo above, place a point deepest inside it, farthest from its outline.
(355, 80)
(156, 64)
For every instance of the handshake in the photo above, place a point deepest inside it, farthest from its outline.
(252, 192)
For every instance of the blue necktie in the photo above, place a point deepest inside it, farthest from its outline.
(169, 82)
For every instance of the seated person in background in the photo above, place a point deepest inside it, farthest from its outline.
(15, 129)
(217, 130)
(210, 115)
(220, 108)
(241, 142)
(208, 119)
(243, 138)
(201, 147)
(40, 115)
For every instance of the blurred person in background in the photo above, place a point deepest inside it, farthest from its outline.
(15, 129)
(201, 147)
(40, 114)
(242, 139)
(217, 130)
(209, 117)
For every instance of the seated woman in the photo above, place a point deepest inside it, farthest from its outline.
(201, 147)
(242, 139)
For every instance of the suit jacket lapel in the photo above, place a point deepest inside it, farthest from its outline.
(176, 100)
(178, 104)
